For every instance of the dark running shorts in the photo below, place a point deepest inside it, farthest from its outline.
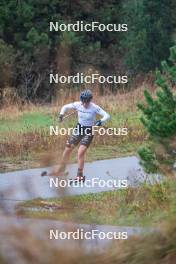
(80, 137)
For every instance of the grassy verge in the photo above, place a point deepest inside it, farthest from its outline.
(143, 206)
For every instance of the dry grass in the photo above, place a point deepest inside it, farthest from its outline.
(120, 102)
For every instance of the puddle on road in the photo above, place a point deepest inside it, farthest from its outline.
(41, 230)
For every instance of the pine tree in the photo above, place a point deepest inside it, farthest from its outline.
(150, 33)
(159, 118)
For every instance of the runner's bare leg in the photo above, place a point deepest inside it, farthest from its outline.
(64, 160)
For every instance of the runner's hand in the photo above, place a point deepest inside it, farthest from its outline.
(98, 123)
(61, 118)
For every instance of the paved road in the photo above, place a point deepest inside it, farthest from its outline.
(28, 184)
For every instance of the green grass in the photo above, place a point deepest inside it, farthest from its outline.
(43, 117)
(26, 123)
(24, 139)
(144, 206)
(121, 117)
(31, 121)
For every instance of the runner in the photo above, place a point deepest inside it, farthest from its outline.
(87, 112)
